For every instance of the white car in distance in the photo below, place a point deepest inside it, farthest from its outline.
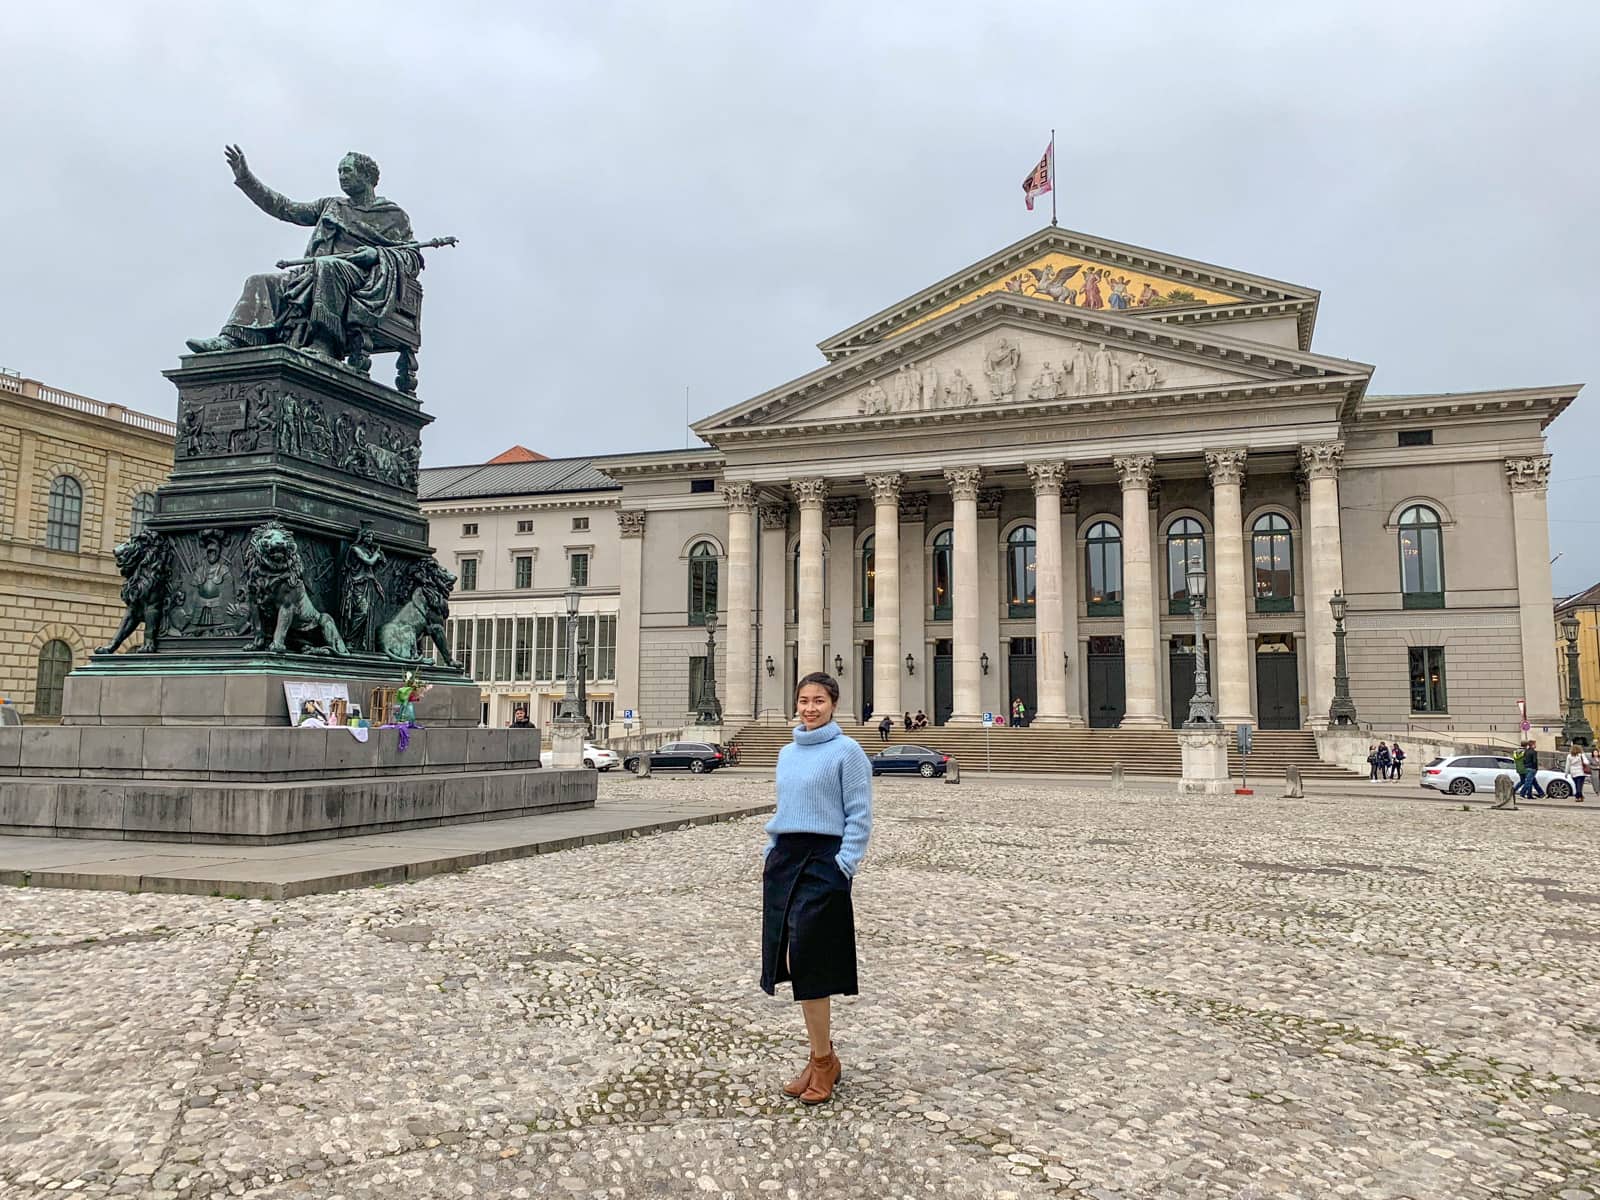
(596, 758)
(1463, 774)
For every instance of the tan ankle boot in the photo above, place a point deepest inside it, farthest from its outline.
(825, 1074)
(797, 1086)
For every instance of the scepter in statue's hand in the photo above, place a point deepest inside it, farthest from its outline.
(367, 255)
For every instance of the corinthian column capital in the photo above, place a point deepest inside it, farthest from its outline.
(1322, 460)
(774, 516)
(1226, 467)
(739, 495)
(964, 482)
(885, 488)
(630, 522)
(1135, 470)
(1531, 474)
(1048, 477)
(809, 493)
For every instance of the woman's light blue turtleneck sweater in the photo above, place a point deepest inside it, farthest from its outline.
(825, 786)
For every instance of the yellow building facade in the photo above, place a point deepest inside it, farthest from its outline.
(1586, 607)
(77, 476)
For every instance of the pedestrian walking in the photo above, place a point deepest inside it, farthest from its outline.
(885, 728)
(1530, 789)
(815, 843)
(1019, 710)
(1578, 764)
(1372, 763)
(1396, 757)
(1383, 760)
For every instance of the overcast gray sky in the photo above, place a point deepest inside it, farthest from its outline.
(691, 195)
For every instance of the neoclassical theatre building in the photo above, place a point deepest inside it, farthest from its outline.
(990, 492)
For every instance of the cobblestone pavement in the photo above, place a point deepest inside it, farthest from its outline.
(1063, 994)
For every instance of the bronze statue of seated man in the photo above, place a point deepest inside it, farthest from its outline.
(360, 255)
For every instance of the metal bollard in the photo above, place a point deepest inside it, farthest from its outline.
(1505, 793)
(1293, 788)
(952, 772)
(1116, 776)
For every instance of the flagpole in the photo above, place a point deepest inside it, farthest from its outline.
(1052, 177)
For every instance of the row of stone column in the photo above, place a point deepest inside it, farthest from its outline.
(1229, 596)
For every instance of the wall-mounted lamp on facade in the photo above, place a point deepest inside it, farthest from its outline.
(772, 667)
(911, 665)
(838, 665)
(983, 661)
(1066, 661)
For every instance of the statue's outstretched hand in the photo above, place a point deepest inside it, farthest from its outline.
(235, 157)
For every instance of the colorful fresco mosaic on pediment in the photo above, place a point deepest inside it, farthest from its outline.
(1083, 283)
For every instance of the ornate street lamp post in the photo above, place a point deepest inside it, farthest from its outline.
(1343, 709)
(570, 708)
(1576, 727)
(1202, 708)
(583, 673)
(708, 710)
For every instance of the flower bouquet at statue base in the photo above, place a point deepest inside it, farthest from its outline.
(411, 689)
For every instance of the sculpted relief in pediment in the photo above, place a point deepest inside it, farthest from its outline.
(1015, 367)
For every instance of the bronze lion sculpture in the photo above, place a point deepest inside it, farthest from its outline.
(282, 616)
(145, 561)
(421, 616)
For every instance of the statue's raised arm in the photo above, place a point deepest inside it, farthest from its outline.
(355, 291)
(268, 201)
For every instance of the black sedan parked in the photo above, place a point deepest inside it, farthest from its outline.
(910, 760)
(698, 757)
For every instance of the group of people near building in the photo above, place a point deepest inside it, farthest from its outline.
(1385, 760)
(886, 726)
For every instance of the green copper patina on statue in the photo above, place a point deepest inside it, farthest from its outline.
(355, 291)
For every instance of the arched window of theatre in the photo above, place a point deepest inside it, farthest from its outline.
(144, 507)
(1103, 552)
(943, 579)
(65, 515)
(1186, 542)
(1022, 570)
(55, 660)
(869, 572)
(702, 582)
(1272, 561)
(1421, 558)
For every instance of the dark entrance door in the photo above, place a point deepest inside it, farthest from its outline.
(1277, 682)
(1108, 698)
(1022, 671)
(943, 681)
(866, 681)
(1180, 673)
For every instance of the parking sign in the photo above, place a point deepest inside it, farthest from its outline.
(988, 718)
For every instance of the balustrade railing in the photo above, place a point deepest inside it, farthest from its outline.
(34, 390)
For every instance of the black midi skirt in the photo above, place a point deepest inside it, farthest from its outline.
(808, 927)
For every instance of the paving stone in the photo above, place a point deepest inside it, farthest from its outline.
(1242, 1000)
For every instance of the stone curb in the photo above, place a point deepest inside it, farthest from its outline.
(406, 872)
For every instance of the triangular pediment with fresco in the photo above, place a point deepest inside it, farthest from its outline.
(1010, 352)
(1091, 274)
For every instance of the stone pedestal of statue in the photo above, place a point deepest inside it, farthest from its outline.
(288, 546)
(1205, 761)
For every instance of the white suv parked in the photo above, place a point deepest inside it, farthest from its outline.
(1463, 774)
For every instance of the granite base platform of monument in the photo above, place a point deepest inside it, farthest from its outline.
(264, 786)
(286, 548)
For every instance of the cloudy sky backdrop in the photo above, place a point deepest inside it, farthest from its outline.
(686, 197)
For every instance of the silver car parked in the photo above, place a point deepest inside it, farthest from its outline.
(1463, 774)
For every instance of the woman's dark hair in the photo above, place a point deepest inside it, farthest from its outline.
(823, 680)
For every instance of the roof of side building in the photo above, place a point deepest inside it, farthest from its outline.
(512, 479)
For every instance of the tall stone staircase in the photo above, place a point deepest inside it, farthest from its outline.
(1054, 750)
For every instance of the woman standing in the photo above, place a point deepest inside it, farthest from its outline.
(815, 844)
(1578, 769)
(1397, 756)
